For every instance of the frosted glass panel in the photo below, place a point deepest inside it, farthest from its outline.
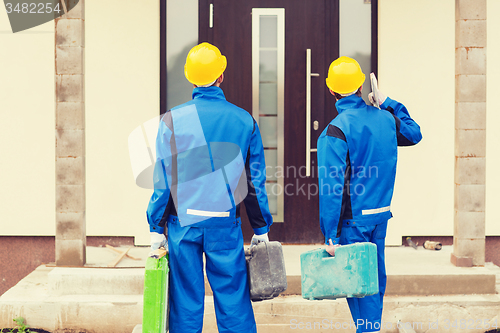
(269, 31)
(182, 35)
(268, 98)
(268, 130)
(273, 189)
(271, 164)
(268, 66)
(268, 86)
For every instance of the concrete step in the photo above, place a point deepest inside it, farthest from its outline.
(102, 281)
(115, 315)
(32, 299)
(414, 285)
(101, 299)
(410, 272)
(431, 313)
(96, 281)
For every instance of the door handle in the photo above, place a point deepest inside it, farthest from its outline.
(309, 150)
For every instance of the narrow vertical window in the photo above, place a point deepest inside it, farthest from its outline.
(268, 89)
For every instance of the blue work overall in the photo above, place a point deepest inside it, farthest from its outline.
(357, 156)
(209, 159)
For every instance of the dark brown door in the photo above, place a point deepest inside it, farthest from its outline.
(311, 24)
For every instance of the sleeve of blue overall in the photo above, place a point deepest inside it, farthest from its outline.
(256, 203)
(161, 201)
(408, 131)
(332, 164)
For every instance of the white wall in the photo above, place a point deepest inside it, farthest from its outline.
(493, 119)
(122, 92)
(27, 130)
(416, 67)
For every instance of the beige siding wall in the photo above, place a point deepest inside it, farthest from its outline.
(122, 92)
(493, 120)
(416, 67)
(27, 144)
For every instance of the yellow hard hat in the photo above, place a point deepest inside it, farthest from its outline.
(344, 76)
(204, 64)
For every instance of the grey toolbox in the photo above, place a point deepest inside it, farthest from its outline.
(266, 271)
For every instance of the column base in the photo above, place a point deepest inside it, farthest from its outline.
(461, 261)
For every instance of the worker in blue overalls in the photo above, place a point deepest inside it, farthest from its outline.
(357, 155)
(209, 158)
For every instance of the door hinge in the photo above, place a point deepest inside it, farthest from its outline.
(211, 17)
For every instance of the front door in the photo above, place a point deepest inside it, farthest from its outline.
(278, 53)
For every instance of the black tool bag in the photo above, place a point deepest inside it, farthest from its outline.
(266, 271)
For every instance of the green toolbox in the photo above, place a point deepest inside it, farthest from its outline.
(155, 311)
(352, 272)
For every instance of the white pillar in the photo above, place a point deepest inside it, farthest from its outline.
(70, 136)
(470, 133)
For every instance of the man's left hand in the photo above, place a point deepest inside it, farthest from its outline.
(158, 240)
(331, 248)
(256, 239)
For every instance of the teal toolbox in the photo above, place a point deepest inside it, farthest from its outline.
(351, 273)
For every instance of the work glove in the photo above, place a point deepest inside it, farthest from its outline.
(256, 239)
(381, 98)
(371, 97)
(157, 241)
(331, 248)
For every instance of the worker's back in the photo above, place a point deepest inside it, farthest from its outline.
(221, 121)
(371, 159)
(204, 148)
(362, 141)
(212, 140)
